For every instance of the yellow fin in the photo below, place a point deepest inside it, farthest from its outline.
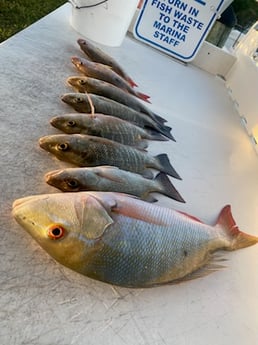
(92, 216)
(212, 265)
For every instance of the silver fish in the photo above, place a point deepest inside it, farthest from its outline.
(111, 179)
(102, 88)
(80, 102)
(105, 126)
(98, 55)
(85, 150)
(103, 72)
(124, 241)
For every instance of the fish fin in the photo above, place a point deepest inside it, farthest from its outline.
(160, 119)
(238, 239)
(166, 165)
(127, 205)
(141, 145)
(212, 265)
(168, 188)
(131, 82)
(190, 216)
(149, 198)
(165, 130)
(147, 173)
(90, 211)
(155, 135)
(111, 176)
(143, 96)
(200, 273)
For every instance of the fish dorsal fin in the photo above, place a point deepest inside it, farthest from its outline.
(190, 216)
(92, 216)
(128, 205)
(109, 174)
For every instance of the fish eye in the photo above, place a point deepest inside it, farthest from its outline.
(63, 147)
(71, 123)
(82, 82)
(79, 99)
(81, 63)
(72, 183)
(55, 232)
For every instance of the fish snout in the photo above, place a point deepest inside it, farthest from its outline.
(43, 142)
(53, 121)
(81, 41)
(76, 61)
(49, 175)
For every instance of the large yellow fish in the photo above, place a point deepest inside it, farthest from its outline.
(124, 241)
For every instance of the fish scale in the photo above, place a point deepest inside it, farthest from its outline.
(150, 255)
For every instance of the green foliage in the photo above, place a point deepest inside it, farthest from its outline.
(17, 15)
(246, 12)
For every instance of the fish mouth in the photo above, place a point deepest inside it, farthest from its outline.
(43, 143)
(54, 122)
(20, 203)
(75, 60)
(65, 98)
(81, 41)
(72, 81)
(50, 175)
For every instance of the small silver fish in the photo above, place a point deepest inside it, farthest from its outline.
(111, 179)
(105, 126)
(99, 87)
(85, 150)
(104, 72)
(98, 55)
(122, 240)
(80, 102)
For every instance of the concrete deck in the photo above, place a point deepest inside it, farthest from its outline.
(43, 303)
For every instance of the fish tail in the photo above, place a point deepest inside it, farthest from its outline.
(166, 166)
(131, 82)
(238, 239)
(165, 130)
(160, 119)
(168, 188)
(155, 135)
(143, 96)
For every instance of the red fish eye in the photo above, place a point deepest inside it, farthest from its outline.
(55, 232)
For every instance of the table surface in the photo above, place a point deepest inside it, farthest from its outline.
(42, 302)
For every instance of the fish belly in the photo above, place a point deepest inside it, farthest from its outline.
(141, 254)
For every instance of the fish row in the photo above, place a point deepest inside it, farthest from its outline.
(108, 135)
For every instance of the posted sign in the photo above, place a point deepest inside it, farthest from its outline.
(176, 27)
